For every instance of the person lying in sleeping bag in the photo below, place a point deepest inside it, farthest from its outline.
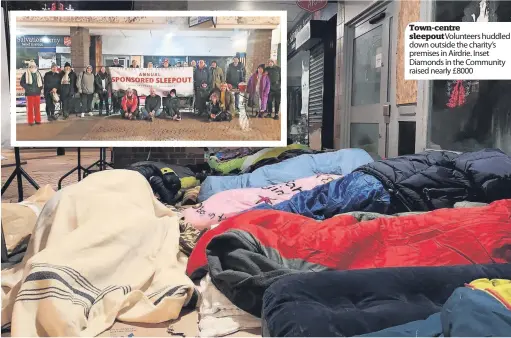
(166, 180)
(420, 182)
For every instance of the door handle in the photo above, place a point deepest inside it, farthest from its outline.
(386, 113)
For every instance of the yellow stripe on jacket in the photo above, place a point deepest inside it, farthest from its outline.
(498, 288)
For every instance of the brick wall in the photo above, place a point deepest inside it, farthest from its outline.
(258, 49)
(182, 156)
(80, 44)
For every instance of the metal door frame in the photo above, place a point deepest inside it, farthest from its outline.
(356, 28)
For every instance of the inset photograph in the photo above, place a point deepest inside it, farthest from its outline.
(149, 77)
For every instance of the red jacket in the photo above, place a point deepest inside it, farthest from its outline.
(129, 105)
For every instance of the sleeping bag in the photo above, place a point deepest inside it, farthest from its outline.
(339, 162)
(166, 180)
(479, 309)
(420, 182)
(245, 254)
(360, 302)
(228, 203)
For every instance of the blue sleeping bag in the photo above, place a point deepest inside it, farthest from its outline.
(340, 162)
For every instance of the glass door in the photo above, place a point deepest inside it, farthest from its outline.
(370, 82)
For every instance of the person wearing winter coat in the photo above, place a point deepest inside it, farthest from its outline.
(32, 82)
(274, 73)
(172, 105)
(129, 105)
(51, 85)
(67, 88)
(258, 88)
(103, 85)
(217, 75)
(152, 106)
(202, 84)
(235, 75)
(86, 87)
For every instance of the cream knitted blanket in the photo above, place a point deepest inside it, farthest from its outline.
(102, 250)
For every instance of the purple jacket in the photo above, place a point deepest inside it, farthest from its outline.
(264, 88)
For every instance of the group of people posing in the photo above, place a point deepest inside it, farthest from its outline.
(73, 91)
(216, 93)
(263, 88)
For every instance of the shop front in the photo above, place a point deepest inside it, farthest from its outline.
(468, 115)
(311, 78)
(43, 49)
(390, 116)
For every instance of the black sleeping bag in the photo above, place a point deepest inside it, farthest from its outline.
(165, 179)
(357, 302)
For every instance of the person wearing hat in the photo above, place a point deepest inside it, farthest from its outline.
(32, 82)
(67, 88)
(275, 76)
(234, 76)
(166, 63)
(258, 88)
(51, 85)
(86, 86)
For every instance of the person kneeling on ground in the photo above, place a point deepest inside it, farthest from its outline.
(152, 106)
(221, 105)
(129, 105)
(172, 105)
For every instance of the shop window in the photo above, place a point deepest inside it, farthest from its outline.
(471, 115)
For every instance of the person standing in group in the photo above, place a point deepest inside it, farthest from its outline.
(193, 64)
(274, 74)
(150, 65)
(67, 88)
(166, 63)
(217, 75)
(116, 63)
(116, 96)
(152, 106)
(103, 85)
(202, 84)
(32, 82)
(134, 64)
(235, 75)
(51, 85)
(258, 88)
(86, 87)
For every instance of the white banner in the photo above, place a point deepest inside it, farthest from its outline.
(162, 79)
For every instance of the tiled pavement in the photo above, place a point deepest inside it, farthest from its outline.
(45, 167)
(191, 128)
